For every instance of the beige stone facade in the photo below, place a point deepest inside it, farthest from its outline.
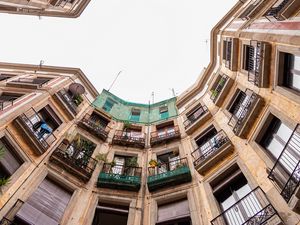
(234, 158)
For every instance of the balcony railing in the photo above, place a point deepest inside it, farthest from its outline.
(243, 109)
(6, 101)
(254, 209)
(95, 127)
(120, 177)
(5, 76)
(164, 135)
(75, 160)
(28, 123)
(195, 116)
(210, 148)
(37, 82)
(169, 174)
(275, 10)
(218, 89)
(286, 170)
(129, 138)
(68, 101)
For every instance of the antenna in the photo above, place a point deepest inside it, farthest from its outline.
(114, 80)
(41, 62)
(152, 95)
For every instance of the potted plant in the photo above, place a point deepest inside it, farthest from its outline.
(153, 163)
(3, 180)
(214, 93)
(78, 99)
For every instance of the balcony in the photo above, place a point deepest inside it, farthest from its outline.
(230, 53)
(95, 127)
(129, 139)
(38, 140)
(246, 112)
(286, 171)
(254, 209)
(6, 101)
(212, 152)
(5, 76)
(164, 135)
(259, 63)
(220, 89)
(67, 102)
(283, 9)
(30, 83)
(75, 160)
(200, 115)
(169, 174)
(120, 177)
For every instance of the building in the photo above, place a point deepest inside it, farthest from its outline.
(226, 151)
(57, 8)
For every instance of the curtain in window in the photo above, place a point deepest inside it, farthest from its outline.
(173, 211)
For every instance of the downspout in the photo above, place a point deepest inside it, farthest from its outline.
(145, 168)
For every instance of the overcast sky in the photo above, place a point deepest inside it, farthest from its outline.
(157, 44)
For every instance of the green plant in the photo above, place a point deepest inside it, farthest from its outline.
(2, 152)
(222, 81)
(101, 157)
(132, 162)
(153, 163)
(214, 93)
(78, 99)
(113, 163)
(4, 181)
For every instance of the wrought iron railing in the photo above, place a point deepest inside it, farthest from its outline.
(128, 136)
(5, 76)
(256, 55)
(6, 101)
(39, 82)
(121, 170)
(62, 3)
(68, 100)
(286, 170)
(275, 10)
(242, 109)
(254, 209)
(197, 114)
(167, 168)
(97, 126)
(78, 158)
(164, 134)
(30, 119)
(228, 53)
(209, 148)
(218, 89)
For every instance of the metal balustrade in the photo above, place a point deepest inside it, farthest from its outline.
(197, 114)
(164, 134)
(129, 138)
(242, 110)
(68, 100)
(252, 209)
(286, 170)
(28, 122)
(39, 82)
(76, 160)
(218, 89)
(210, 148)
(167, 174)
(96, 127)
(275, 10)
(256, 56)
(120, 177)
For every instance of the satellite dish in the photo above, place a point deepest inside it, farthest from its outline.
(76, 89)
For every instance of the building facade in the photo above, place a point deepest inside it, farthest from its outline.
(57, 8)
(224, 152)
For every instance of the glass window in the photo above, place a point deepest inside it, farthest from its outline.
(108, 105)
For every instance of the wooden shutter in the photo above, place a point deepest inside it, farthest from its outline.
(173, 211)
(46, 205)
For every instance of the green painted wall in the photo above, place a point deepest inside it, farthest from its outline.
(121, 109)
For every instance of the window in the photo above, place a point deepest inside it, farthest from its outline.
(99, 120)
(163, 111)
(45, 122)
(174, 213)
(45, 206)
(109, 103)
(10, 162)
(205, 139)
(227, 48)
(135, 114)
(289, 71)
(168, 162)
(7, 99)
(115, 214)
(248, 58)
(240, 102)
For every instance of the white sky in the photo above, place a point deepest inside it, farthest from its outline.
(158, 44)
